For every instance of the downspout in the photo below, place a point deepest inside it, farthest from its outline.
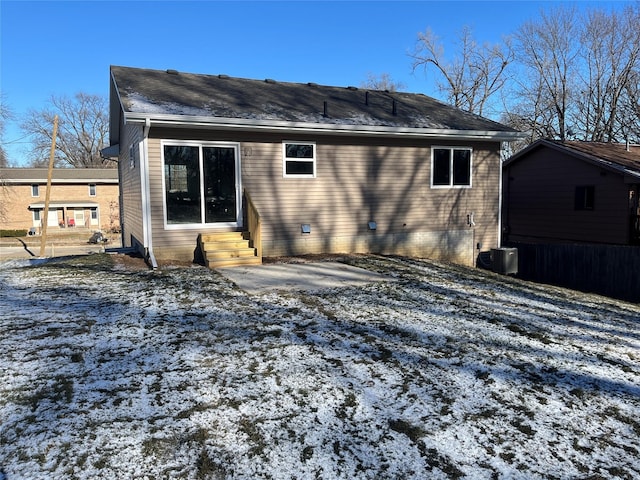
(146, 197)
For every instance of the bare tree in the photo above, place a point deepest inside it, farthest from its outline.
(382, 82)
(607, 104)
(5, 114)
(473, 76)
(579, 76)
(548, 49)
(82, 131)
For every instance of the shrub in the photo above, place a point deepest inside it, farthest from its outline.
(13, 233)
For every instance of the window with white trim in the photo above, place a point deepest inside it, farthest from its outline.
(92, 189)
(451, 167)
(201, 183)
(35, 190)
(299, 159)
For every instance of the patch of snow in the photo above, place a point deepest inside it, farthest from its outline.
(445, 372)
(140, 103)
(268, 112)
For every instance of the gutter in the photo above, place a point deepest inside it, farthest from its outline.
(146, 197)
(221, 123)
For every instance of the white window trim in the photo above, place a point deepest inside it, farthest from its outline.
(451, 149)
(95, 190)
(285, 159)
(37, 186)
(200, 145)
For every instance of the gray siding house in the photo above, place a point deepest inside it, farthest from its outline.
(573, 192)
(232, 169)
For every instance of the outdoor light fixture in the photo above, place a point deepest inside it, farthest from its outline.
(305, 228)
(373, 225)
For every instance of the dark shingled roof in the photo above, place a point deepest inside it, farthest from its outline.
(616, 153)
(159, 92)
(613, 156)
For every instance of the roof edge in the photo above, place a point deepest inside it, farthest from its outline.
(584, 156)
(184, 121)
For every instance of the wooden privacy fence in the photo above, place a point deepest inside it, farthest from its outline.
(609, 270)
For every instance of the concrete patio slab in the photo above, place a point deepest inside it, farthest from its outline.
(299, 276)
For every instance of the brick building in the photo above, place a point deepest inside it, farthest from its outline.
(81, 198)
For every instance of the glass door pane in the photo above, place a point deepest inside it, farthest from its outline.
(219, 166)
(182, 184)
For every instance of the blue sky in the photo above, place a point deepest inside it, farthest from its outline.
(64, 47)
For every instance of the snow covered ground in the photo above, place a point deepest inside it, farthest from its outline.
(113, 371)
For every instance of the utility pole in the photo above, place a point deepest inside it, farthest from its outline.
(45, 222)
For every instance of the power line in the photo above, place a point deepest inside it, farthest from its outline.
(17, 140)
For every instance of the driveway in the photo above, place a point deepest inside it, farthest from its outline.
(16, 248)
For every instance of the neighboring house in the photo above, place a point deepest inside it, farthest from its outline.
(300, 168)
(79, 198)
(572, 192)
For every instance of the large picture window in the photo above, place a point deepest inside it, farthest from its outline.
(200, 184)
(299, 159)
(451, 167)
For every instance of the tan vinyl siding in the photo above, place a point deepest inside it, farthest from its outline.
(358, 180)
(540, 201)
(359, 183)
(131, 190)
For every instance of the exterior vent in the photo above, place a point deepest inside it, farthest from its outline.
(504, 260)
(270, 80)
(171, 71)
(223, 76)
(352, 88)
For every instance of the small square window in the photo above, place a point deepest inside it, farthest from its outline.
(451, 167)
(585, 197)
(35, 190)
(299, 159)
(92, 189)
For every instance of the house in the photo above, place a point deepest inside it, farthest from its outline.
(209, 162)
(572, 192)
(79, 197)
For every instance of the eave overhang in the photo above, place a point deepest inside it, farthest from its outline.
(60, 181)
(629, 175)
(111, 152)
(239, 124)
(64, 204)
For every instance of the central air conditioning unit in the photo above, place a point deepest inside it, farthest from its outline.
(504, 260)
